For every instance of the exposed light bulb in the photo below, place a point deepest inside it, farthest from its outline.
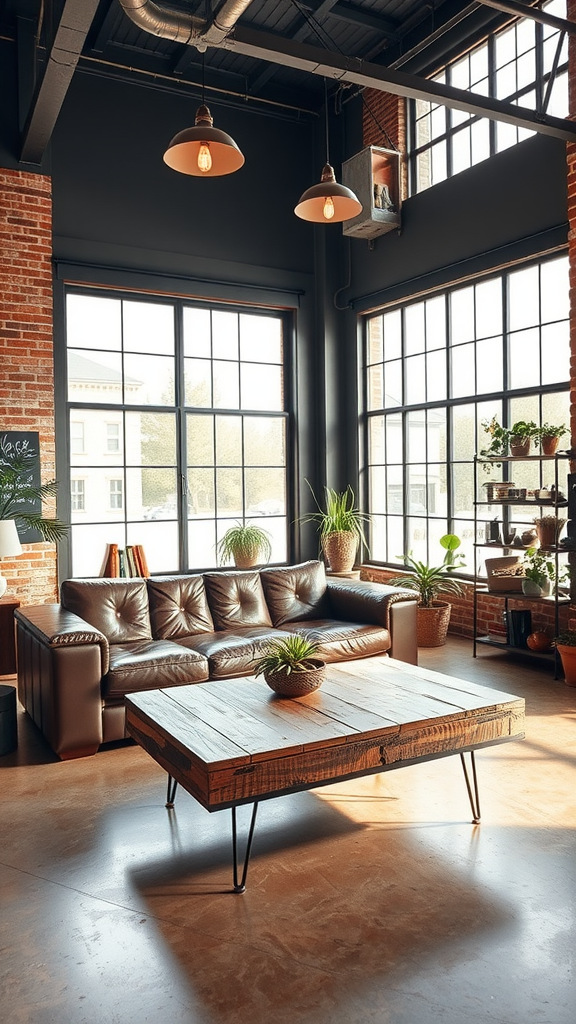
(204, 157)
(328, 210)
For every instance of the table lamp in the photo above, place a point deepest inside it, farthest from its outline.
(9, 545)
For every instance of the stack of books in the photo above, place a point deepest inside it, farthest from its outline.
(129, 561)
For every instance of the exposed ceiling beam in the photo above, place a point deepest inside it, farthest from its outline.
(291, 53)
(525, 11)
(366, 19)
(69, 38)
(324, 7)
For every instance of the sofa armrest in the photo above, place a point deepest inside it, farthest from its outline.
(381, 605)
(61, 661)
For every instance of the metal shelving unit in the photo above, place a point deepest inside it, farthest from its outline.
(557, 503)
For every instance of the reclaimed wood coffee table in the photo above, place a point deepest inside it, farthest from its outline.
(235, 742)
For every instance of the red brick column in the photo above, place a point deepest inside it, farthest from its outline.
(384, 114)
(26, 353)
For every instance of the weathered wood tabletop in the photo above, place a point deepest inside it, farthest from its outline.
(234, 741)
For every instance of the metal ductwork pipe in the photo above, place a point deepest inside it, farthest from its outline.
(184, 28)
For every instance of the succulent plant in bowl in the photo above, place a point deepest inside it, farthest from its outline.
(290, 666)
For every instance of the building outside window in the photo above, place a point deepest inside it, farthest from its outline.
(434, 370)
(116, 494)
(77, 495)
(514, 65)
(77, 437)
(112, 437)
(190, 401)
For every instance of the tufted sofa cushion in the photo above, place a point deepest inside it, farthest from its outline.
(118, 608)
(236, 599)
(296, 593)
(178, 607)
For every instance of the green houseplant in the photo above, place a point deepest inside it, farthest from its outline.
(245, 544)
(341, 527)
(290, 666)
(549, 437)
(429, 582)
(17, 461)
(516, 439)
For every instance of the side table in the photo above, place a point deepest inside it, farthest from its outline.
(8, 606)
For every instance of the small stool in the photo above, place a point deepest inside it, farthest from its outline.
(8, 727)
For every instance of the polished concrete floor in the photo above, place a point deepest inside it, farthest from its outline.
(371, 901)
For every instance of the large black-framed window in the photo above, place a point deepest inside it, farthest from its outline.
(178, 426)
(515, 64)
(434, 370)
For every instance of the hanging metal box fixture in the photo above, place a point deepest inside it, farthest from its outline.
(374, 175)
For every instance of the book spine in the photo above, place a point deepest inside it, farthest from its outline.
(114, 561)
(142, 559)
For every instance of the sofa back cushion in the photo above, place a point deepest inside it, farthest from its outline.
(118, 608)
(178, 607)
(296, 592)
(236, 599)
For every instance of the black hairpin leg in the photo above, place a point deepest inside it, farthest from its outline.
(241, 886)
(473, 797)
(171, 791)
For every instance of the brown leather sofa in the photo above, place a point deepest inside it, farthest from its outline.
(108, 637)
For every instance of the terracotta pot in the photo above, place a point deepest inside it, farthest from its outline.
(340, 550)
(549, 533)
(520, 446)
(297, 684)
(550, 445)
(432, 624)
(568, 658)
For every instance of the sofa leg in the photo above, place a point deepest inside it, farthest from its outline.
(171, 792)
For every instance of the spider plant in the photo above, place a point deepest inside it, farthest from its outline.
(288, 654)
(340, 515)
(244, 542)
(429, 581)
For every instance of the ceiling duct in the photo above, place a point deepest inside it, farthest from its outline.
(184, 28)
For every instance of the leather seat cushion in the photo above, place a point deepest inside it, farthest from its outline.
(232, 652)
(151, 665)
(178, 606)
(343, 641)
(296, 593)
(236, 599)
(117, 607)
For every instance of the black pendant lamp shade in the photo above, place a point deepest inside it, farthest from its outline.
(203, 150)
(328, 202)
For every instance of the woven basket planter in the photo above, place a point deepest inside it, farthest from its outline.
(432, 625)
(297, 684)
(248, 559)
(340, 550)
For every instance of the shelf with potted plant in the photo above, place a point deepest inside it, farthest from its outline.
(532, 540)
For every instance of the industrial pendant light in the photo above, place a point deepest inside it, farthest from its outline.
(328, 202)
(203, 150)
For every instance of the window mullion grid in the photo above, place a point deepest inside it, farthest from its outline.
(181, 435)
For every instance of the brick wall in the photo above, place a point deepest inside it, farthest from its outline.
(382, 110)
(489, 609)
(27, 380)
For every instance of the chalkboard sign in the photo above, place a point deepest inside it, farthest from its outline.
(18, 441)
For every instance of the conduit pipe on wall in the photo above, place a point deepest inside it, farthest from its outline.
(184, 28)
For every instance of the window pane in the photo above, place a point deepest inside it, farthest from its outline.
(555, 352)
(151, 494)
(201, 543)
(148, 380)
(524, 359)
(265, 493)
(198, 383)
(229, 493)
(200, 440)
(375, 340)
(93, 322)
(555, 290)
(436, 323)
(463, 433)
(436, 376)
(523, 291)
(260, 338)
(264, 443)
(201, 492)
(489, 365)
(228, 441)
(462, 371)
(148, 327)
(480, 140)
(461, 315)
(415, 380)
(261, 386)
(461, 152)
(225, 376)
(436, 435)
(376, 439)
(416, 425)
(489, 308)
(94, 377)
(197, 332)
(414, 332)
(376, 387)
(394, 442)
(393, 385)
(157, 434)
(224, 335)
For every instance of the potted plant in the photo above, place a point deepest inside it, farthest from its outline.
(548, 529)
(17, 461)
(565, 644)
(549, 437)
(290, 666)
(429, 582)
(539, 572)
(246, 545)
(341, 527)
(517, 438)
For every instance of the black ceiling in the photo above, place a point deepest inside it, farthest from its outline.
(404, 34)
